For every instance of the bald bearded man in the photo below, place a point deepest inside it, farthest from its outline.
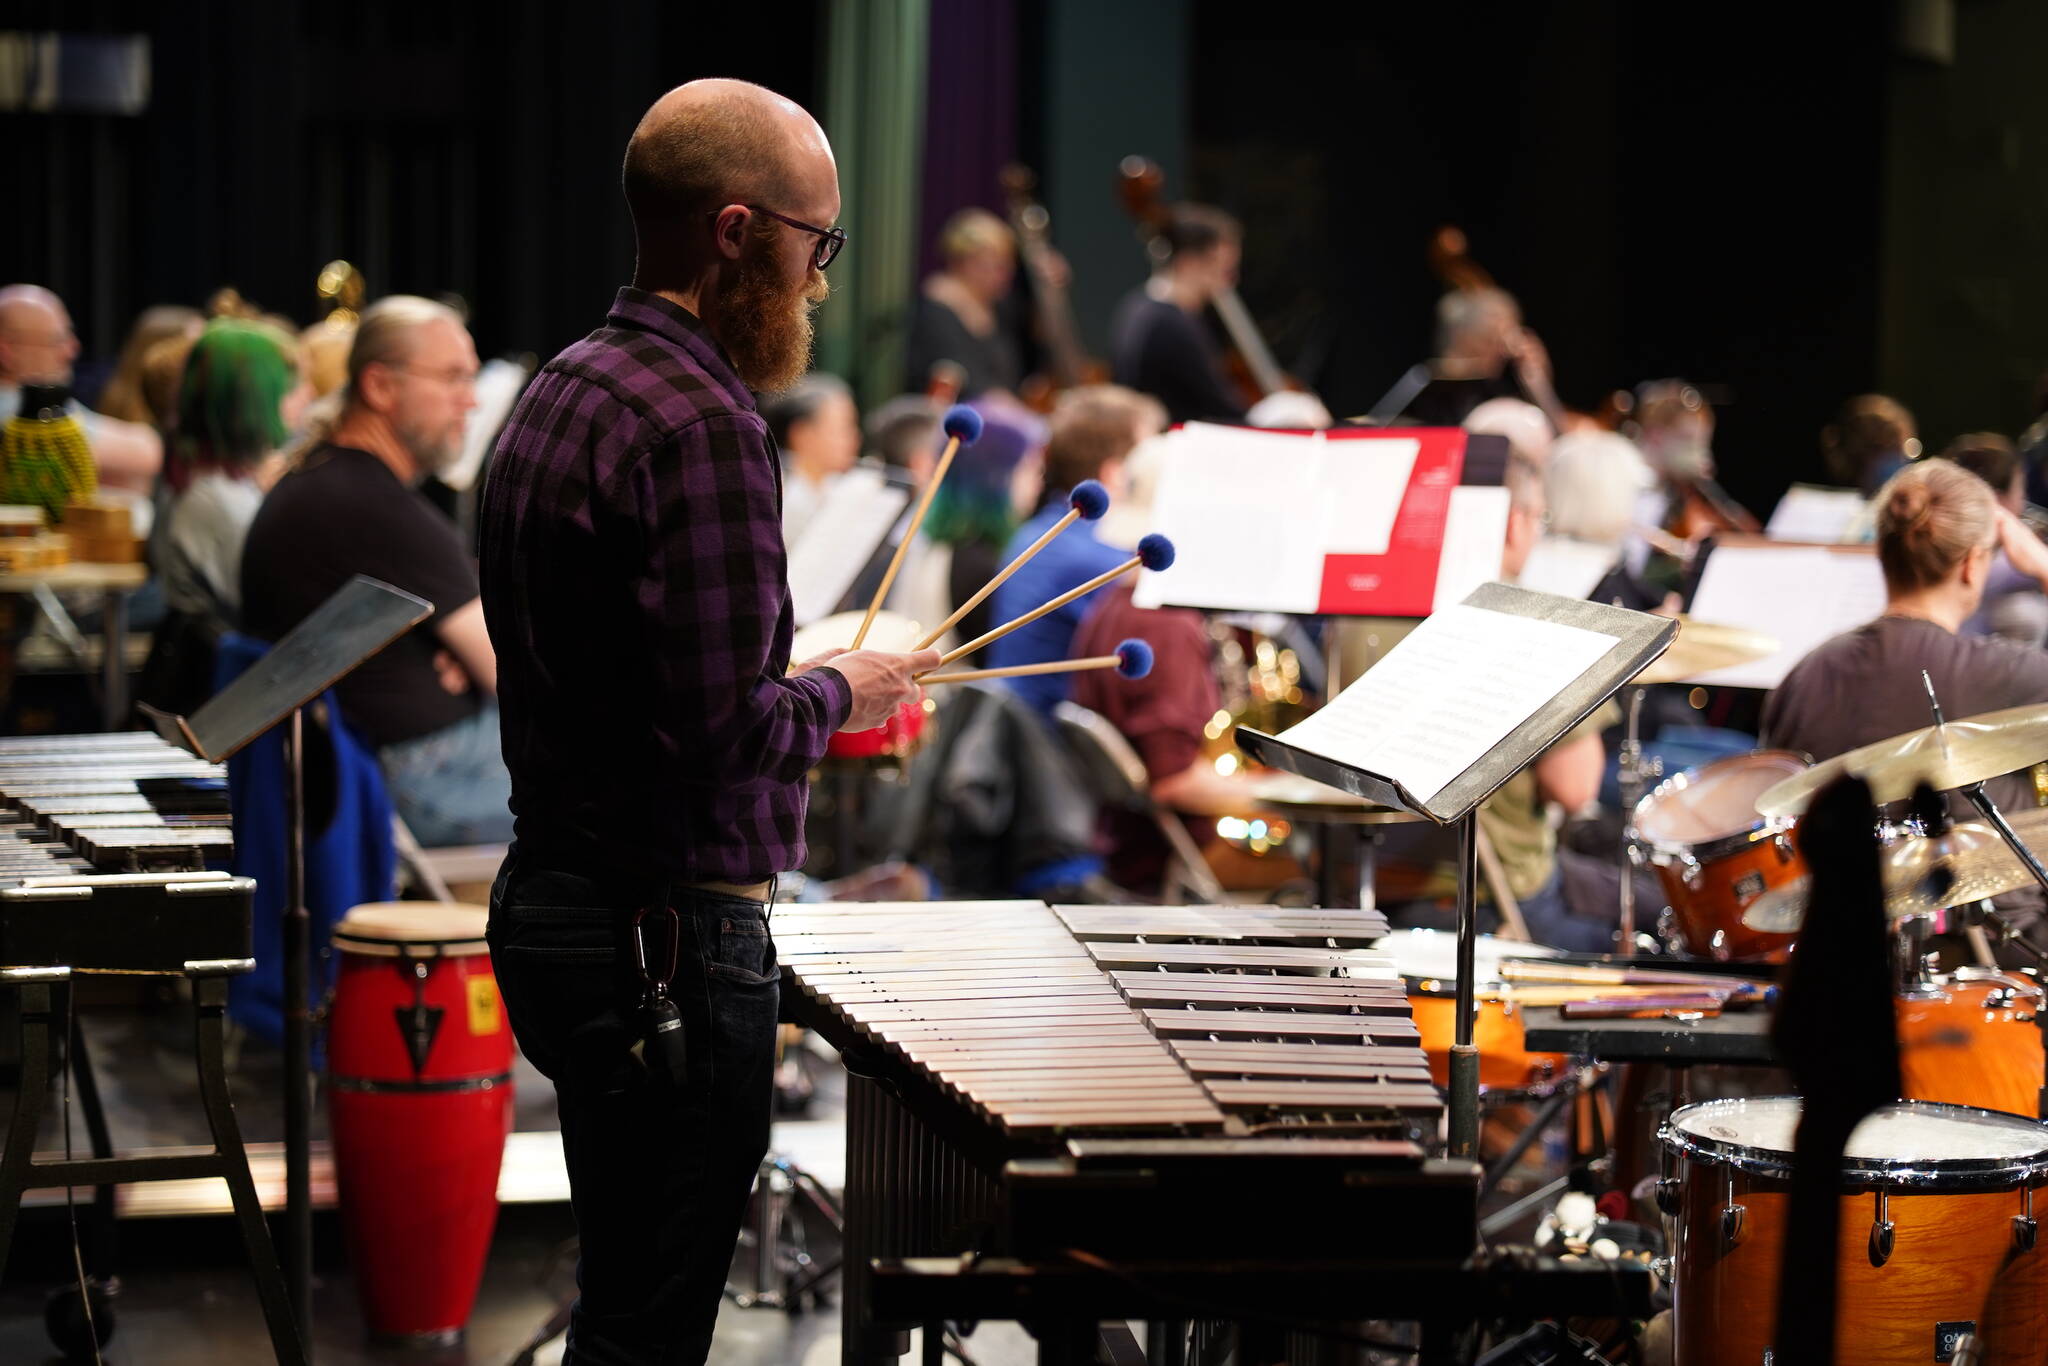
(634, 586)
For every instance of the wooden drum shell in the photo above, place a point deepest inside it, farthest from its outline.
(1975, 1042)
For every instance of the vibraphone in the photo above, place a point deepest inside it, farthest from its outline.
(1144, 1096)
(105, 842)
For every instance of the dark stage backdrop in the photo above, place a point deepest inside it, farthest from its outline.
(1669, 191)
(439, 144)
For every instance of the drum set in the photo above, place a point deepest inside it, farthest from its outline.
(1936, 1195)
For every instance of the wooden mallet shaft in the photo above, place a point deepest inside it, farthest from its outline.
(1056, 666)
(1135, 562)
(1084, 506)
(924, 502)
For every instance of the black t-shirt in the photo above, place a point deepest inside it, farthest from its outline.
(1158, 349)
(937, 334)
(343, 512)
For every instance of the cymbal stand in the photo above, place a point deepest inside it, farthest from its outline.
(2007, 931)
(1632, 771)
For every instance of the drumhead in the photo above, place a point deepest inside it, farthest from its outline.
(1432, 955)
(388, 927)
(1910, 1143)
(1713, 802)
(891, 631)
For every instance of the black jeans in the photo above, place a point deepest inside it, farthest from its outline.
(658, 1175)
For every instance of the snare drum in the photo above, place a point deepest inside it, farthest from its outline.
(900, 736)
(1715, 855)
(1428, 962)
(1937, 1232)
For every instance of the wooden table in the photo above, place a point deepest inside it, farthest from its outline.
(115, 583)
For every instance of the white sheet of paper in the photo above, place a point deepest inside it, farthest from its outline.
(840, 539)
(498, 386)
(1446, 695)
(1803, 595)
(1252, 514)
(1474, 531)
(1809, 512)
(1568, 568)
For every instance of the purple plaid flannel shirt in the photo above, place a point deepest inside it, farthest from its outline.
(633, 581)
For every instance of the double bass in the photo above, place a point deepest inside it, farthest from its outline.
(1068, 364)
(1140, 184)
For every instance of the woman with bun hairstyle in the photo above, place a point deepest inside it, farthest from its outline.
(1938, 528)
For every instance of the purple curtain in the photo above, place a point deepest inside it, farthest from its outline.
(970, 113)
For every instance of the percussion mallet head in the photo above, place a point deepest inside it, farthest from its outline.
(1155, 552)
(1134, 659)
(962, 424)
(1089, 499)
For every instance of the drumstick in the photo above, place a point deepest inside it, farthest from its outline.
(1133, 659)
(1089, 500)
(1155, 552)
(962, 428)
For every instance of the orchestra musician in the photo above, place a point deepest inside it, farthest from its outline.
(1938, 527)
(1483, 352)
(1159, 342)
(657, 739)
(965, 312)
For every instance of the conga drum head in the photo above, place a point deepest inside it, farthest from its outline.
(891, 631)
(390, 928)
(1702, 809)
(1907, 1145)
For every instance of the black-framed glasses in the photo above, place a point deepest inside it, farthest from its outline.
(830, 240)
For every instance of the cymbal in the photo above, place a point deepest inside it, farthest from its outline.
(1921, 875)
(1945, 757)
(1702, 646)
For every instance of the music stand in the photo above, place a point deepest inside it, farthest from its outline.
(361, 618)
(1639, 638)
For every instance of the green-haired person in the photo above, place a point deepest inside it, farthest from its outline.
(241, 395)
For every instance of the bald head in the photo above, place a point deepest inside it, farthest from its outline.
(36, 342)
(714, 143)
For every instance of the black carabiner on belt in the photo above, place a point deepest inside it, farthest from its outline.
(661, 1046)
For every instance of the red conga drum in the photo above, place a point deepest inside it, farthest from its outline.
(421, 1059)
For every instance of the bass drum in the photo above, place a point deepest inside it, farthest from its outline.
(1936, 1236)
(1428, 963)
(1715, 855)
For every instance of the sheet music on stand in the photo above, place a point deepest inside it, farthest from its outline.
(851, 524)
(1801, 594)
(362, 617)
(1468, 699)
(1817, 514)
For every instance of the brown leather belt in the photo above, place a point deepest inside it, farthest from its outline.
(750, 891)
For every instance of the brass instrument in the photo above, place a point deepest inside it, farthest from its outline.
(340, 289)
(339, 286)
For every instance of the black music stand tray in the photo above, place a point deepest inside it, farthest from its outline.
(1640, 638)
(362, 617)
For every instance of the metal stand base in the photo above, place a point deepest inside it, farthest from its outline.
(20, 1172)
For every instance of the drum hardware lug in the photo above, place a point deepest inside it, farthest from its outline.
(1667, 1194)
(1731, 1226)
(1662, 1268)
(1782, 842)
(2024, 1232)
(1690, 872)
(1883, 1232)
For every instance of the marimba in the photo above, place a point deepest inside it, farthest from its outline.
(1176, 1089)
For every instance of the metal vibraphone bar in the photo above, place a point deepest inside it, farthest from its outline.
(1227, 1085)
(104, 847)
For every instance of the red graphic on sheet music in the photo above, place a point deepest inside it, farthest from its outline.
(1402, 582)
